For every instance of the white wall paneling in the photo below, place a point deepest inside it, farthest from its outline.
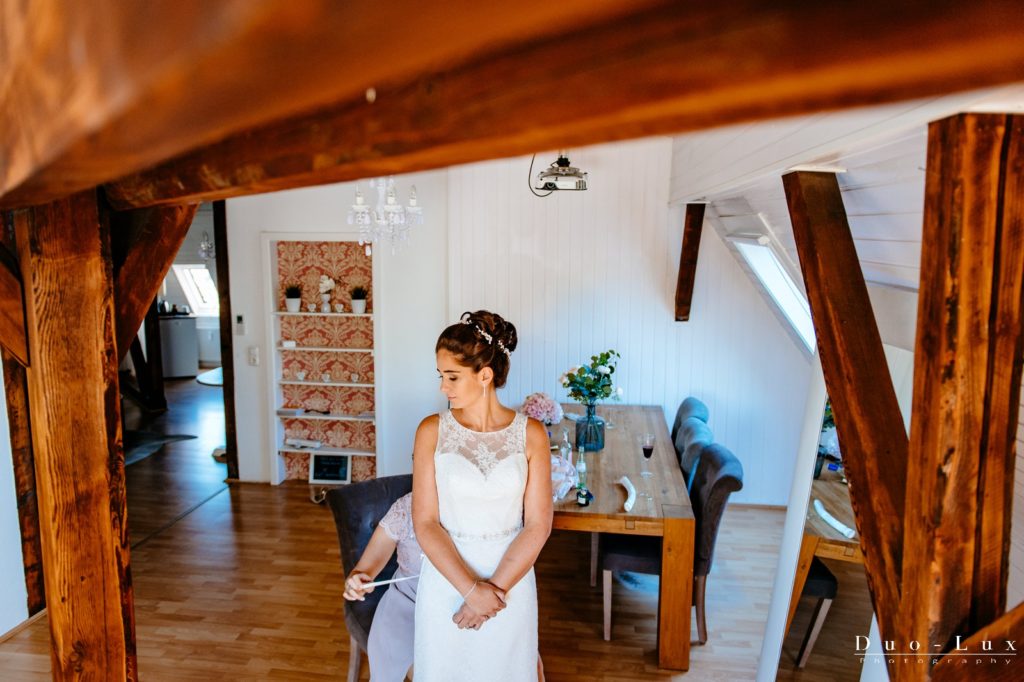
(14, 596)
(581, 272)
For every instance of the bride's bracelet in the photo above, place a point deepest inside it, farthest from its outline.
(466, 596)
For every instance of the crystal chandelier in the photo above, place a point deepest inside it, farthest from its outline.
(388, 220)
(206, 248)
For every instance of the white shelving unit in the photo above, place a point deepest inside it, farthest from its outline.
(337, 430)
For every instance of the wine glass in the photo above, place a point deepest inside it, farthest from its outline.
(647, 448)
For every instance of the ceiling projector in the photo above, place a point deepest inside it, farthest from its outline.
(561, 175)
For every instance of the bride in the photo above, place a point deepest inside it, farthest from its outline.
(482, 512)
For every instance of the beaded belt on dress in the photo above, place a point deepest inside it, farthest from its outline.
(485, 536)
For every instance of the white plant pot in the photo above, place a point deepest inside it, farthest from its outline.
(359, 306)
(293, 305)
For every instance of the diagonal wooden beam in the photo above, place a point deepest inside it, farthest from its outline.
(967, 370)
(1004, 637)
(64, 252)
(12, 307)
(152, 237)
(867, 415)
(466, 85)
(688, 260)
(92, 91)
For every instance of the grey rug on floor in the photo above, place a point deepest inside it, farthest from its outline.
(138, 445)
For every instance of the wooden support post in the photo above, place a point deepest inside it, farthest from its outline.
(688, 260)
(227, 326)
(16, 391)
(967, 371)
(76, 439)
(153, 237)
(990, 639)
(857, 377)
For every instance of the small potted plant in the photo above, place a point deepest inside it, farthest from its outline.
(293, 298)
(359, 294)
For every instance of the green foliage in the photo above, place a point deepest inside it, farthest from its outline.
(293, 291)
(359, 293)
(829, 420)
(591, 383)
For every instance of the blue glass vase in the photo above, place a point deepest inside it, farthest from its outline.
(590, 431)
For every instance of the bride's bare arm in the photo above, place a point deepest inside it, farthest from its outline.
(537, 512)
(434, 540)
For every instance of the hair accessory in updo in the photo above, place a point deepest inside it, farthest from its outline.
(486, 336)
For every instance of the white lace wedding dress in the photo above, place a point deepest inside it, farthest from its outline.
(481, 478)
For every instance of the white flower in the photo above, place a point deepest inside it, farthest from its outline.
(326, 284)
(603, 369)
(618, 391)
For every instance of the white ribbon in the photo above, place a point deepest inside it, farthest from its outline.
(843, 530)
(630, 493)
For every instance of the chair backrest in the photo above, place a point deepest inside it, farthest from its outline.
(691, 432)
(691, 407)
(719, 474)
(357, 509)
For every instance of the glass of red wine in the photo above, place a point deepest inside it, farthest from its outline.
(647, 448)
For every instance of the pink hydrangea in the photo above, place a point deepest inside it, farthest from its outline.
(542, 407)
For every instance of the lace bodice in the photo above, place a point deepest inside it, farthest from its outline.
(481, 478)
(397, 523)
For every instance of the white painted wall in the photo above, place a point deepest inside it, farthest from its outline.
(582, 272)
(409, 301)
(13, 596)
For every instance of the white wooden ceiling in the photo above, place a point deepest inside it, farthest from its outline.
(739, 169)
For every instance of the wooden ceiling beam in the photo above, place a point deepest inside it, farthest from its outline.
(93, 91)
(64, 252)
(967, 373)
(688, 252)
(867, 414)
(151, 238)
(677, 67)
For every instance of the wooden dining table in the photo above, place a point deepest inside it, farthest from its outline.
(668, 514)
(822, 540)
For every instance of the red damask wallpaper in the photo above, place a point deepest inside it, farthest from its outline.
(346, 263)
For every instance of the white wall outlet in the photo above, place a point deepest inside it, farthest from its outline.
(254, 356)
(239, 325)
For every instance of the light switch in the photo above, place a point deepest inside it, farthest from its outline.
(254, 356)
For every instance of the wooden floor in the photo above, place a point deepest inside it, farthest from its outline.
(247, 586)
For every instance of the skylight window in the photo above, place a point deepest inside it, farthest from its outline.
(201, 292)
(780, 286)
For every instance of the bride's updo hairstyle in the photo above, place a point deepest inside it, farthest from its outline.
(481, 339)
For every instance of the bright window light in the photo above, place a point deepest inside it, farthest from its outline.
(780, 286)
(199, 289)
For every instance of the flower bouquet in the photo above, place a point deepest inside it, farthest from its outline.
(587, 385)
(326, 287)
(543, 408)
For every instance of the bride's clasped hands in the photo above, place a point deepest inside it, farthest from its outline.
(480, 604)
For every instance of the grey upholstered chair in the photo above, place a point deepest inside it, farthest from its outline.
(357, 509)
(691, 407)
(718, 475)
(691, 432)
(821, 584)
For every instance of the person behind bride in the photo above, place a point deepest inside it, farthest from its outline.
(482, 512)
